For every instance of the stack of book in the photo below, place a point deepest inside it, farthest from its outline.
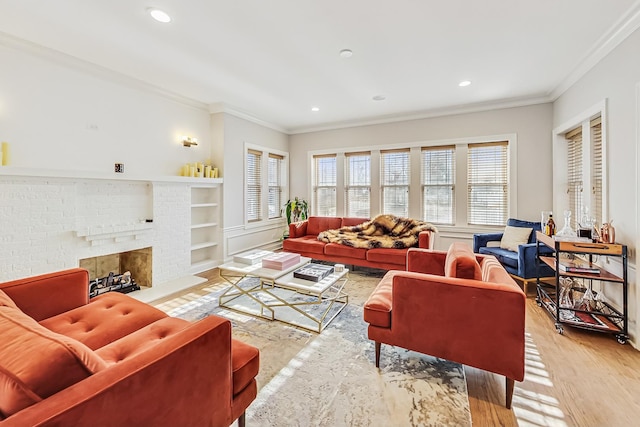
(313, 272)
(578, 266)
(280, 260)
(251, 257)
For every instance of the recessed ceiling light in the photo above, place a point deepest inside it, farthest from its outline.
(159, 15)
(379, 98)
(315, 109)
(464, 83)
(346, 53)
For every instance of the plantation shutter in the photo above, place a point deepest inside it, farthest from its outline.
(574, 174)
(438, 187)
(394, 178)
(596, 169)
(275, 185)
(254, 178)
(358, 184)
(325, 178)
(488, 183)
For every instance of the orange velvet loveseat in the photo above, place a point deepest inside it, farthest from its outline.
(303, 240)
(66, 360)
(455, 305)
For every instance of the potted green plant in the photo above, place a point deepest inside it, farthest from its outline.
(295, 210)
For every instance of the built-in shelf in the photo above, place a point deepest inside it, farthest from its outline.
(203, 245)
(204, 205)
(204, 225)
(205, 230)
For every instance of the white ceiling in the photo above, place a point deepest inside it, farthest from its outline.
(275, 59)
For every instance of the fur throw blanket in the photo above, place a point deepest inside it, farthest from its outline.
(383, 231)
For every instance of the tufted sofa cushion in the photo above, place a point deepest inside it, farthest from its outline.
(36, 363)
(461, 262)
(141, 340)
(104, 320)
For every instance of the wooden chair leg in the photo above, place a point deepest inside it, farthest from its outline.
(377, 354)
(509, 391)
(241, 420)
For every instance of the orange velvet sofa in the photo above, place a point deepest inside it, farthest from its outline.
(303, 240)
(66, 360)
(455, 305)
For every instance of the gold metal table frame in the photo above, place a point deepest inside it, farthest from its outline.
(276, 292)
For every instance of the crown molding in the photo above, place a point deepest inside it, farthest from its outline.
(94, 70)
(221, 107)
(622, 29)
(449, 111)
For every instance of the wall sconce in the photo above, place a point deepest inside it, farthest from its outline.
(187, 141)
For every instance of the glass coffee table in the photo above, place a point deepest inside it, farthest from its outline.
(278, 295)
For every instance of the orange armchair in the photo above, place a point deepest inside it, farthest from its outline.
(454, 305)
(113, 360)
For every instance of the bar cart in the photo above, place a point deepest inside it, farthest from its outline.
(572, 301)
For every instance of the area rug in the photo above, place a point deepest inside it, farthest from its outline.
(330, 379)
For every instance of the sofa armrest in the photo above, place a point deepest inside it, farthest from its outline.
(426, 261)
(46, 295)
(183, 380)
(527, 261)
(472, 322)
(298, 229)
(426, 239)
(481, 240)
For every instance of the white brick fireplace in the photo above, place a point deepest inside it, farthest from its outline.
(51, 220)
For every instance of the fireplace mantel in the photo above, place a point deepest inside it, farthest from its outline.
(13, 171)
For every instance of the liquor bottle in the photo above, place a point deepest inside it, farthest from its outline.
(550, 228)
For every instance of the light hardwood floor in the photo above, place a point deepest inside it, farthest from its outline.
(580, 378)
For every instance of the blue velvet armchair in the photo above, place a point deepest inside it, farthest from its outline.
(521, 264)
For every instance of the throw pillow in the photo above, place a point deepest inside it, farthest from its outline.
(514, 237)
(43, 361)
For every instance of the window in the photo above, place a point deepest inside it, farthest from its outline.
(254, 185)
(574, 174)
(487, 183)
(358, 185)
(438, 184)
(585, 171)
(597, 169)
(394, 178)
(420, 180)
(275, 186)
(265, 183)
(325, 179)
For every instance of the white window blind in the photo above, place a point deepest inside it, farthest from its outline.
(324, 191)
(254, 185)
(394, 176)
(275, 186)
(488, 183)
(438, 184)
(596, 169)
(358, 184)
(574, 174)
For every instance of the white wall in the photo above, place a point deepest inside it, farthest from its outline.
(531, 124)
(236, 131)
(615, 79)
(58, 115)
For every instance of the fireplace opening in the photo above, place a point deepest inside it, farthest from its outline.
(121, 272)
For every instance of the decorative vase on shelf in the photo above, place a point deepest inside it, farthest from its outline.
(567, 231)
